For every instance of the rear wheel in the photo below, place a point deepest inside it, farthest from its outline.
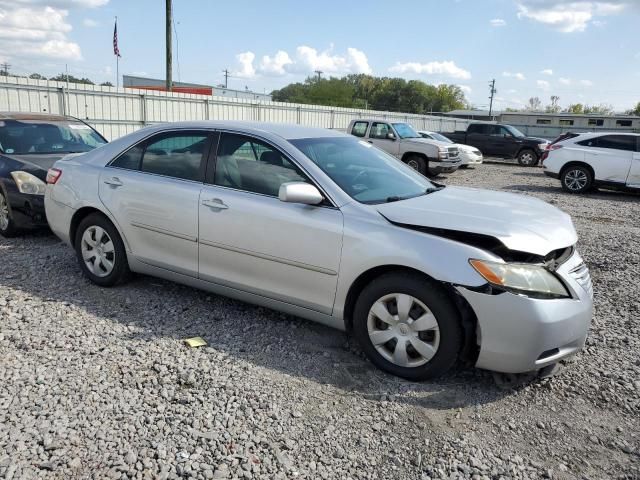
(100, 251)
(418, 163)
(7, 225)
(576, 179)
(407, 326)
(527, 158)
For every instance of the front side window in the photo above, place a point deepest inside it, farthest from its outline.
(248, 164)
(380, 130)
(359, 129)
(179, 155)
(21, 137)
(365, 173)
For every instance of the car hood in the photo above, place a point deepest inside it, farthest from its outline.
(536, 140)
(427, 141)
(521, 223)
(466, 148)
(43, 161)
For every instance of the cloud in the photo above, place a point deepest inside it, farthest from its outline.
(247, 70)
(60, 3)
(447, 69)
(543, 84)
(517, 76)
(466, 89)
(569, 15)
(564, 81)
(547, 71)
(497, 22)
(586, 83)
(307, 60)
(89, 23)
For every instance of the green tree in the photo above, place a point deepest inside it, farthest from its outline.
(635, 111)
(62, 77)
(106, 84)
(575, 108)
(601, 109)
(37, 76)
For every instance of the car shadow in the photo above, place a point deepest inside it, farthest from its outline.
(614, 195)
(152, 308)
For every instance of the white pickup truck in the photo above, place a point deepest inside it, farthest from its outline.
(429, 157)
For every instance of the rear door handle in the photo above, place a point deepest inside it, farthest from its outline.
(215, 203)
(114, 182)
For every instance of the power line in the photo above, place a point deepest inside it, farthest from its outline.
(319, 72)
(226, 77)
(4, 69)
(175, 31)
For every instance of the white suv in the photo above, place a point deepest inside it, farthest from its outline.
(584, 161)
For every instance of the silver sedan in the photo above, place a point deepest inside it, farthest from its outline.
(322, 225)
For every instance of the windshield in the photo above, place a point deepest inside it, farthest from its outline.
(514, 131)
(440, 138)
(405, 130)
(364, 172)
(21, 137)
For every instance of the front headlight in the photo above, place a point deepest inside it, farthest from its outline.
(530, 280)
(28, 183)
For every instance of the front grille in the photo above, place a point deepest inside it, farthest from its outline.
(581, 275)
(453, 152)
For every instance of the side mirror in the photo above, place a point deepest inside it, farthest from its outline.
(300, 192)
(507, 135)
(391, 136)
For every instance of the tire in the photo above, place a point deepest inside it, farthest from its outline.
(576, 179)
(99, 244)
(438, 334)
(418, 163)
(527, 158)
(7, 224)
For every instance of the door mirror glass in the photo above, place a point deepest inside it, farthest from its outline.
(391, 136)
(300, 192)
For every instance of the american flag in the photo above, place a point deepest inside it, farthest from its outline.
(116, 50)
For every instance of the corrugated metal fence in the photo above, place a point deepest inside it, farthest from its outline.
(116, 112)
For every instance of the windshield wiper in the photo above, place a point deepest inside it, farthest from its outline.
(433, 189)
(394, 198)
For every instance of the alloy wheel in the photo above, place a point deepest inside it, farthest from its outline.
(403, 330)
(576, 179)
(98, 251)
(4, 213)
(527, 158)
(413, 164)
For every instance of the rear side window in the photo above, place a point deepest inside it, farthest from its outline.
(359, 129)
(615, 142)
(478, 128)
(178, 155)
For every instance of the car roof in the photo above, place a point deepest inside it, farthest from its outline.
(584, 135)
(36, 116)
(284, 130)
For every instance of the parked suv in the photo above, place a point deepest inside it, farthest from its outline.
(584, 161)
(429, 157)
(505, 141)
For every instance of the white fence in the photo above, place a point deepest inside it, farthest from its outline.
(117, 111)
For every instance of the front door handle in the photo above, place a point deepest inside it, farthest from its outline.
(215, 203)
(113, 182)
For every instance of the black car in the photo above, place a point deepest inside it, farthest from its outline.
(505, 141)
(29, 145)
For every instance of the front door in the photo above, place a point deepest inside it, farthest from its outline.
(379, 136)
(152, 191)
(610, 156)
(251, 241)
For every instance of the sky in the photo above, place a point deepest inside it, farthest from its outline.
(582, 51)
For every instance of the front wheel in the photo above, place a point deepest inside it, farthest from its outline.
(418, 163)
(408, 326)
(7, 225)
(576, 179)
(527, 158)
(100, 251)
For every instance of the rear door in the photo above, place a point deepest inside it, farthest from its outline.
(152, 190)
(634, 172)
(478, 136)
(378, 135)
(610, 156)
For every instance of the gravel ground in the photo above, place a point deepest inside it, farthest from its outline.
(96, 383)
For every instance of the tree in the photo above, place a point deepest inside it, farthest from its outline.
(601, 109)
(635, 111)
(535, 105)
(554, 107)
(575, 108)
(37, 76)
(63, 77)
(106, 84)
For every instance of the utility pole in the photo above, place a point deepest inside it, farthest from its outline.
(493, 91)
(4, 69)
(226, 77)
(319, 72)
(169, 24)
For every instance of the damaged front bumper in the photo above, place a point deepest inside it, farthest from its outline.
(519, 334)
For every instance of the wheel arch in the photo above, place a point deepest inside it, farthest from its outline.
(578, 163)
(83, 213)
(406, 155)
(528, 148)
(470, 348)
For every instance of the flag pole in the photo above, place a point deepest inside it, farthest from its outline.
(117, 64)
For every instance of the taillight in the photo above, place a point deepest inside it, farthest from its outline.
(53, 175)
(549, 148)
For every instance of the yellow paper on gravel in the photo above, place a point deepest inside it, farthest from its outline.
(195, 342)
